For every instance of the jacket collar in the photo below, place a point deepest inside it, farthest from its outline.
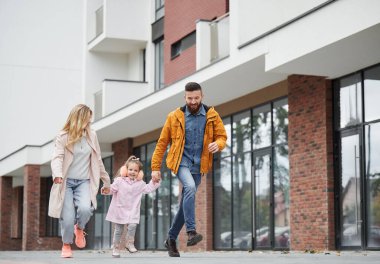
(89, 138)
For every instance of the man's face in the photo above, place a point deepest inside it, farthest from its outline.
(193, 100)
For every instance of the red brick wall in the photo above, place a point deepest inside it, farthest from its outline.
(122, 151)
(6, 243)
(31, 213)
(17, 200)
(180, 18)
(31, 237)
(311, 163)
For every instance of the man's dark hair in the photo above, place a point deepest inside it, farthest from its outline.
(192, 86)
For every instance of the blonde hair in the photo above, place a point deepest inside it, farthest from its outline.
(131, 159)
(77, 123)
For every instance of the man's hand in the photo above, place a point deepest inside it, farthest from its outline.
(213, 147)
(58, 180)
(156, 176)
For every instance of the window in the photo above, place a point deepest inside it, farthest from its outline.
(159, 65)
(183, 44)
(160, 10)
(251, 180)
(357, 179)
(99, 230)
(157, 209)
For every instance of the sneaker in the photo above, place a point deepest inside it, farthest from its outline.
(171, 246)
(193, 238)
(115, 251)
(80, 240)
(66, 251)
(131, 246)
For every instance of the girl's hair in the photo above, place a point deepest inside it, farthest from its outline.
(131, 159)
(77, 123)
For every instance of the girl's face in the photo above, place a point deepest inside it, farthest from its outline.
(133, 170)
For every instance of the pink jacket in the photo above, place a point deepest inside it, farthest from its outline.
(126, 200)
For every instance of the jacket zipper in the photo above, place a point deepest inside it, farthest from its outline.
(180, 149)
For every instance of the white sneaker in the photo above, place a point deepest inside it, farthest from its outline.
(115, 251)
(131, 247)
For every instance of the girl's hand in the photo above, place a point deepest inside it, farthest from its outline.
(105, 190)
(58, 180)
(156, 180)
(140, 176)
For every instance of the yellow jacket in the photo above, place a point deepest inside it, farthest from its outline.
(173, 133)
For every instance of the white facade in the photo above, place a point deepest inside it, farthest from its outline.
(40, 75)
(261, 43)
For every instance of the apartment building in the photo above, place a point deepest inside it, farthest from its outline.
(296, 84)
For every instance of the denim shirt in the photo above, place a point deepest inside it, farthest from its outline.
(195, 128)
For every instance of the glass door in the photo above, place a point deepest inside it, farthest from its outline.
(262, 200)
(350, 190)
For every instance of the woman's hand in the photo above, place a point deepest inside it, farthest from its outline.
(58, 180)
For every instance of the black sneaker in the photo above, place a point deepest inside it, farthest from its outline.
(171, 246)
(193, 238)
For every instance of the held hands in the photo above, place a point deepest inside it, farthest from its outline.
(57, 180)
(213, 147)
(105, 190)
(156, 176)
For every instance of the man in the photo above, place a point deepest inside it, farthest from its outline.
(194, 132)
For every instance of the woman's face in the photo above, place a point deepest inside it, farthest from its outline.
(88, 121)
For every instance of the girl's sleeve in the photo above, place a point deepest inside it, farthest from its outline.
(115, 185)
(151, 187)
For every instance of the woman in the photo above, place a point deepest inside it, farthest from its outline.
(77, 168)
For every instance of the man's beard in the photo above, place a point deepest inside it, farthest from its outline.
(194, 108)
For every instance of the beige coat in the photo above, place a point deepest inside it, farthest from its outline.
(60, 163)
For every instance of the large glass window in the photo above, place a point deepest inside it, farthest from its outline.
(223, 194)
(160, 9)
(159, 65)
(158, 208)
(99, 230)
(358, 148)
(350, 101)
(251, 180)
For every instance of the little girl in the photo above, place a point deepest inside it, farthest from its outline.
(127, 190)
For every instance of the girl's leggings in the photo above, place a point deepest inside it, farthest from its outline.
(131, 231)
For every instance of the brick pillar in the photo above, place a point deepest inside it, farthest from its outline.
(122, 150)
(17, 200)
(43, 206)
(311, 163)
(6, 190)
(203, 217)
(31, 211)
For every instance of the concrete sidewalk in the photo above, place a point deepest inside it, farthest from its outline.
(217, 257)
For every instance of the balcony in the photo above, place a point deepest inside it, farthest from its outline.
(213, 40)
(116, 94)
(117, 26)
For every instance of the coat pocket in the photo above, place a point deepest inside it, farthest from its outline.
(55, 201)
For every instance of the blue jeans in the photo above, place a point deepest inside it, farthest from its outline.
(76, 208)
(186, 212)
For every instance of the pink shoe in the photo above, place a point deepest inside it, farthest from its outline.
(66, 251)
(80, 240)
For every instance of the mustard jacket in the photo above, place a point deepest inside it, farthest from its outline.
(173, 133)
